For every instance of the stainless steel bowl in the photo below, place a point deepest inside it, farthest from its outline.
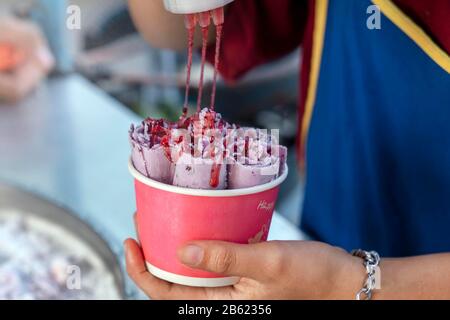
(30, 204)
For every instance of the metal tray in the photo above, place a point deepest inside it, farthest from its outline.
(29, 203)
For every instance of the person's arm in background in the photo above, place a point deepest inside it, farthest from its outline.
(255, 31)
(26, 58)
(161, 28)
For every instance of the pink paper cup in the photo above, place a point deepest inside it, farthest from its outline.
(168, 217)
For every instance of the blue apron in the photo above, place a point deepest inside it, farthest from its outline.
(378, 144)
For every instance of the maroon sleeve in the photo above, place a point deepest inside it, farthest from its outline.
(258, 31)
(433, 16)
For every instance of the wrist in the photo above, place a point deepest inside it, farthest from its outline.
(349, 278)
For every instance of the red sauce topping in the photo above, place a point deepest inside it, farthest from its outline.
(166, 145)
(191, 30)
(215, 174)
(159, 130)
(247, 142)
(216, 64)
(202, 67)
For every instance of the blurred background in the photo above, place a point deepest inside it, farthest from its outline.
(64, 148)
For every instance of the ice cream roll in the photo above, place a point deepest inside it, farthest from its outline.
(202, 165)
(150, 158)
(200, 173)
(241, 175)
(256, 158)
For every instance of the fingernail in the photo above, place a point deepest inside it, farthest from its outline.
(191, 255)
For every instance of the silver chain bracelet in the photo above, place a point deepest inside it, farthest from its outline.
(371, 262)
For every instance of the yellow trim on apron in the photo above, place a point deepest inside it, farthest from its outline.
(413, 31)
(320, 21)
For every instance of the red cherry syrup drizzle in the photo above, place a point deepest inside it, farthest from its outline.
(160, 130)
(190, 23)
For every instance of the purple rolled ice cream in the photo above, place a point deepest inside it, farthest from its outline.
(197, 173)
(150, 159)
(246, 176)
(211, 153)
(258, 159)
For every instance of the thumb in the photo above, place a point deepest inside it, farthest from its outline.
(224, 257)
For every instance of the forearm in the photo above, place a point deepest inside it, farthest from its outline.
(158, 26)
(421, 277)
(162, 29)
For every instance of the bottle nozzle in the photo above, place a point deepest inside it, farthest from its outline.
(218, 16)
(204, 19)
(193, 6)
(190, 21)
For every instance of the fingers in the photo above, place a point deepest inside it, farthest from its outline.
(10, 57)
(137, 271)
(16, 85)
(21, 33)
(28, 41)
(160, 289)
(44, 58)
(24, 78)
(229, 258)
(26, 57)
